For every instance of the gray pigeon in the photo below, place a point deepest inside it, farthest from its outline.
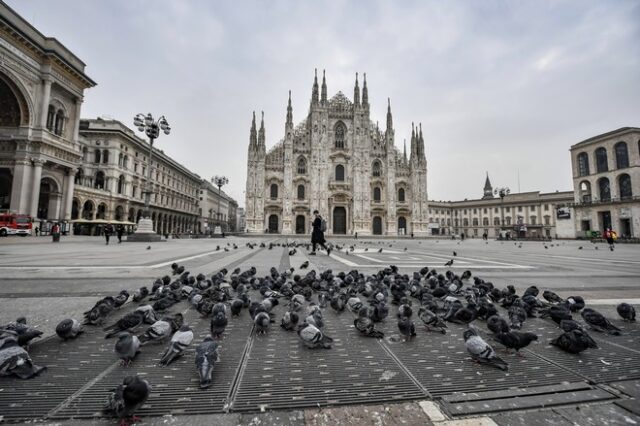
(312, 337)
(127, 398)
(218, 324)
(206, 357)
(598, 322)
(69, 329)
(626, 311)
(127, 347)
(481, 351)
(517, 316)
(431, 320)
(15, 360)
(407, 328)
(262, 322)
(149, 315)
(289, 320)
(365, 325)
(574, 341)
(180, 341)
(157, 332)
(497, 324)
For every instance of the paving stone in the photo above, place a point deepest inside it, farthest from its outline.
(527, 418)
(598, 415)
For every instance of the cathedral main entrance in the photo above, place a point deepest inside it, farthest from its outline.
(300, 224)
(377, 225)
(339, 220)
(273, 224)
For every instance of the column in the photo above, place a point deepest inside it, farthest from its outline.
(35, 186)
(76, 120)
(21, 180)
(68, 193)
(46, 96)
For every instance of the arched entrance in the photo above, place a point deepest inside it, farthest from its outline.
(75, 209)
(87, 210)
(119, 213)
(402, 225)
(377, 225)
(102, 211)
(300, 224)
(339, 220)
(48, 199)
(6, 180)
(14, 111)
(273, 224)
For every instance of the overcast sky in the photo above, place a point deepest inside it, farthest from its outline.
(499, 86)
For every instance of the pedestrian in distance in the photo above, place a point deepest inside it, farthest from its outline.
(108, 231)
(610, 236)
(119, 232)
(37, 231)
(55, 233)
(319, 226)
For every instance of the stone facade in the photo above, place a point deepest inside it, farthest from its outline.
(42, 86)
(606, 182)
(336, 161)
(217, 208)
(112, 174)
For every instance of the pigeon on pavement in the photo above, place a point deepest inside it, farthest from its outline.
(312, 337)
(14, 359)
(180, 341)
(516, 340)
(218, 324)
(365, 325)
(598, 322)
(69, 329)
(127, 347)
(127, 398)
(626, 311)
(481, 351)
(206, 357)
(574, 341)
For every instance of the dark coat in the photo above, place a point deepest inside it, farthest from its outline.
(317, 236)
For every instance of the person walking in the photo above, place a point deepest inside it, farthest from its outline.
(119, 232)
(610, 235)
(55, 233)
(108, 231)
(319, 226)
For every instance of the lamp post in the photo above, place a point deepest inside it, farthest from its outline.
(151, 127)
(501, 192)
(219, 181)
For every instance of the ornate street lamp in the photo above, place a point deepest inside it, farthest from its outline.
(152, 128)
(219, 181)
(502, 192)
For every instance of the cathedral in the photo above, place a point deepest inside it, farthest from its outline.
(339, 162)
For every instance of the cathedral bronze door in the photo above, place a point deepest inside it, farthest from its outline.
(339, 220)
(273, 224)
(377, 225)
(300, 224)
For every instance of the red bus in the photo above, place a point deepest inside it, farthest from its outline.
(15, 224)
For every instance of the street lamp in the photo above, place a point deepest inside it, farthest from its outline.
(152, 128)
(502, 192)
(219, 181)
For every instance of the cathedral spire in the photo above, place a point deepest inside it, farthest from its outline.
(421, 142)
(413, 141)
(323, 95)
(389, 118)
(314, 92)
(488, 189)
(405, 150)
(356, 93)
(289, 112)
(253, 139)
(365, 92)
(261, 142)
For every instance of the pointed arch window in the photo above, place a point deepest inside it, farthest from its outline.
(273, 191)
(601, 160)
(622, 155)
(401, 195)
(340, 134)
(377, 194)
(300, 192)
(376, 169)
(340, 173)
(583, 164)
(302, 166)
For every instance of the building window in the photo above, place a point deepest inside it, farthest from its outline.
(475, 221)
(134, 192)
(583, 164)
(475, 211)
(98, 156)
(51, 117)
(546, 207)
(532, 208)
(376, 169)
(485, 221)
(495, 210)
(605, 189)
(496, 221)
(125, 161)
(532, 219)
(465, 222)
(547, 220)
(105, 156)
(300, 192)
(624, 186)
(622, 155)
(585, 191)
(340, 132)
(121, 184)
(508, 209)
(59, 124)
(99, 182)
(601, 160)
(340, 173)
(484, 210)
(78, 180)
(302, 166)
(274, 191)
(401, 195)
(508, 220)
(120, 157)
(519, 208)
(376, 194)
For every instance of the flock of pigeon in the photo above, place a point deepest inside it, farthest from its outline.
(435, 298)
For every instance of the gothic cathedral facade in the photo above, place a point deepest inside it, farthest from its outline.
(336, 161)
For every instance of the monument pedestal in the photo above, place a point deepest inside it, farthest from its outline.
(144, 233)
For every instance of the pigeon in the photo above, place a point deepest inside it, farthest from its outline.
(127, 347)
(23, 333)
(627, 312)
(449, 263)
(206, 357)
(218, 324)
(465, 315)
(180, 341)
(517, 315)
(127, 398)
(365, 325)
(129, 322)
(262, 322)
(455, 254)
(141, 294)
(481, 351)
(289, 320)
(15, 360)
(236, 307)
(574, 341)
(304, 265)
(569, 324)
(354, 304)
(407, 328)
(557, 313)
(157, 332)
(574, 303)
(515, 340)
(149, 315)
(431, 320)
(598, 322)
(69, 329)
(496, 324)
(312, 337)
(551, 297)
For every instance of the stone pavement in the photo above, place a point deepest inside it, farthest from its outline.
(47, 282)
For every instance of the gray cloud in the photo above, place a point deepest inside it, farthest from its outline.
(504, 87)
